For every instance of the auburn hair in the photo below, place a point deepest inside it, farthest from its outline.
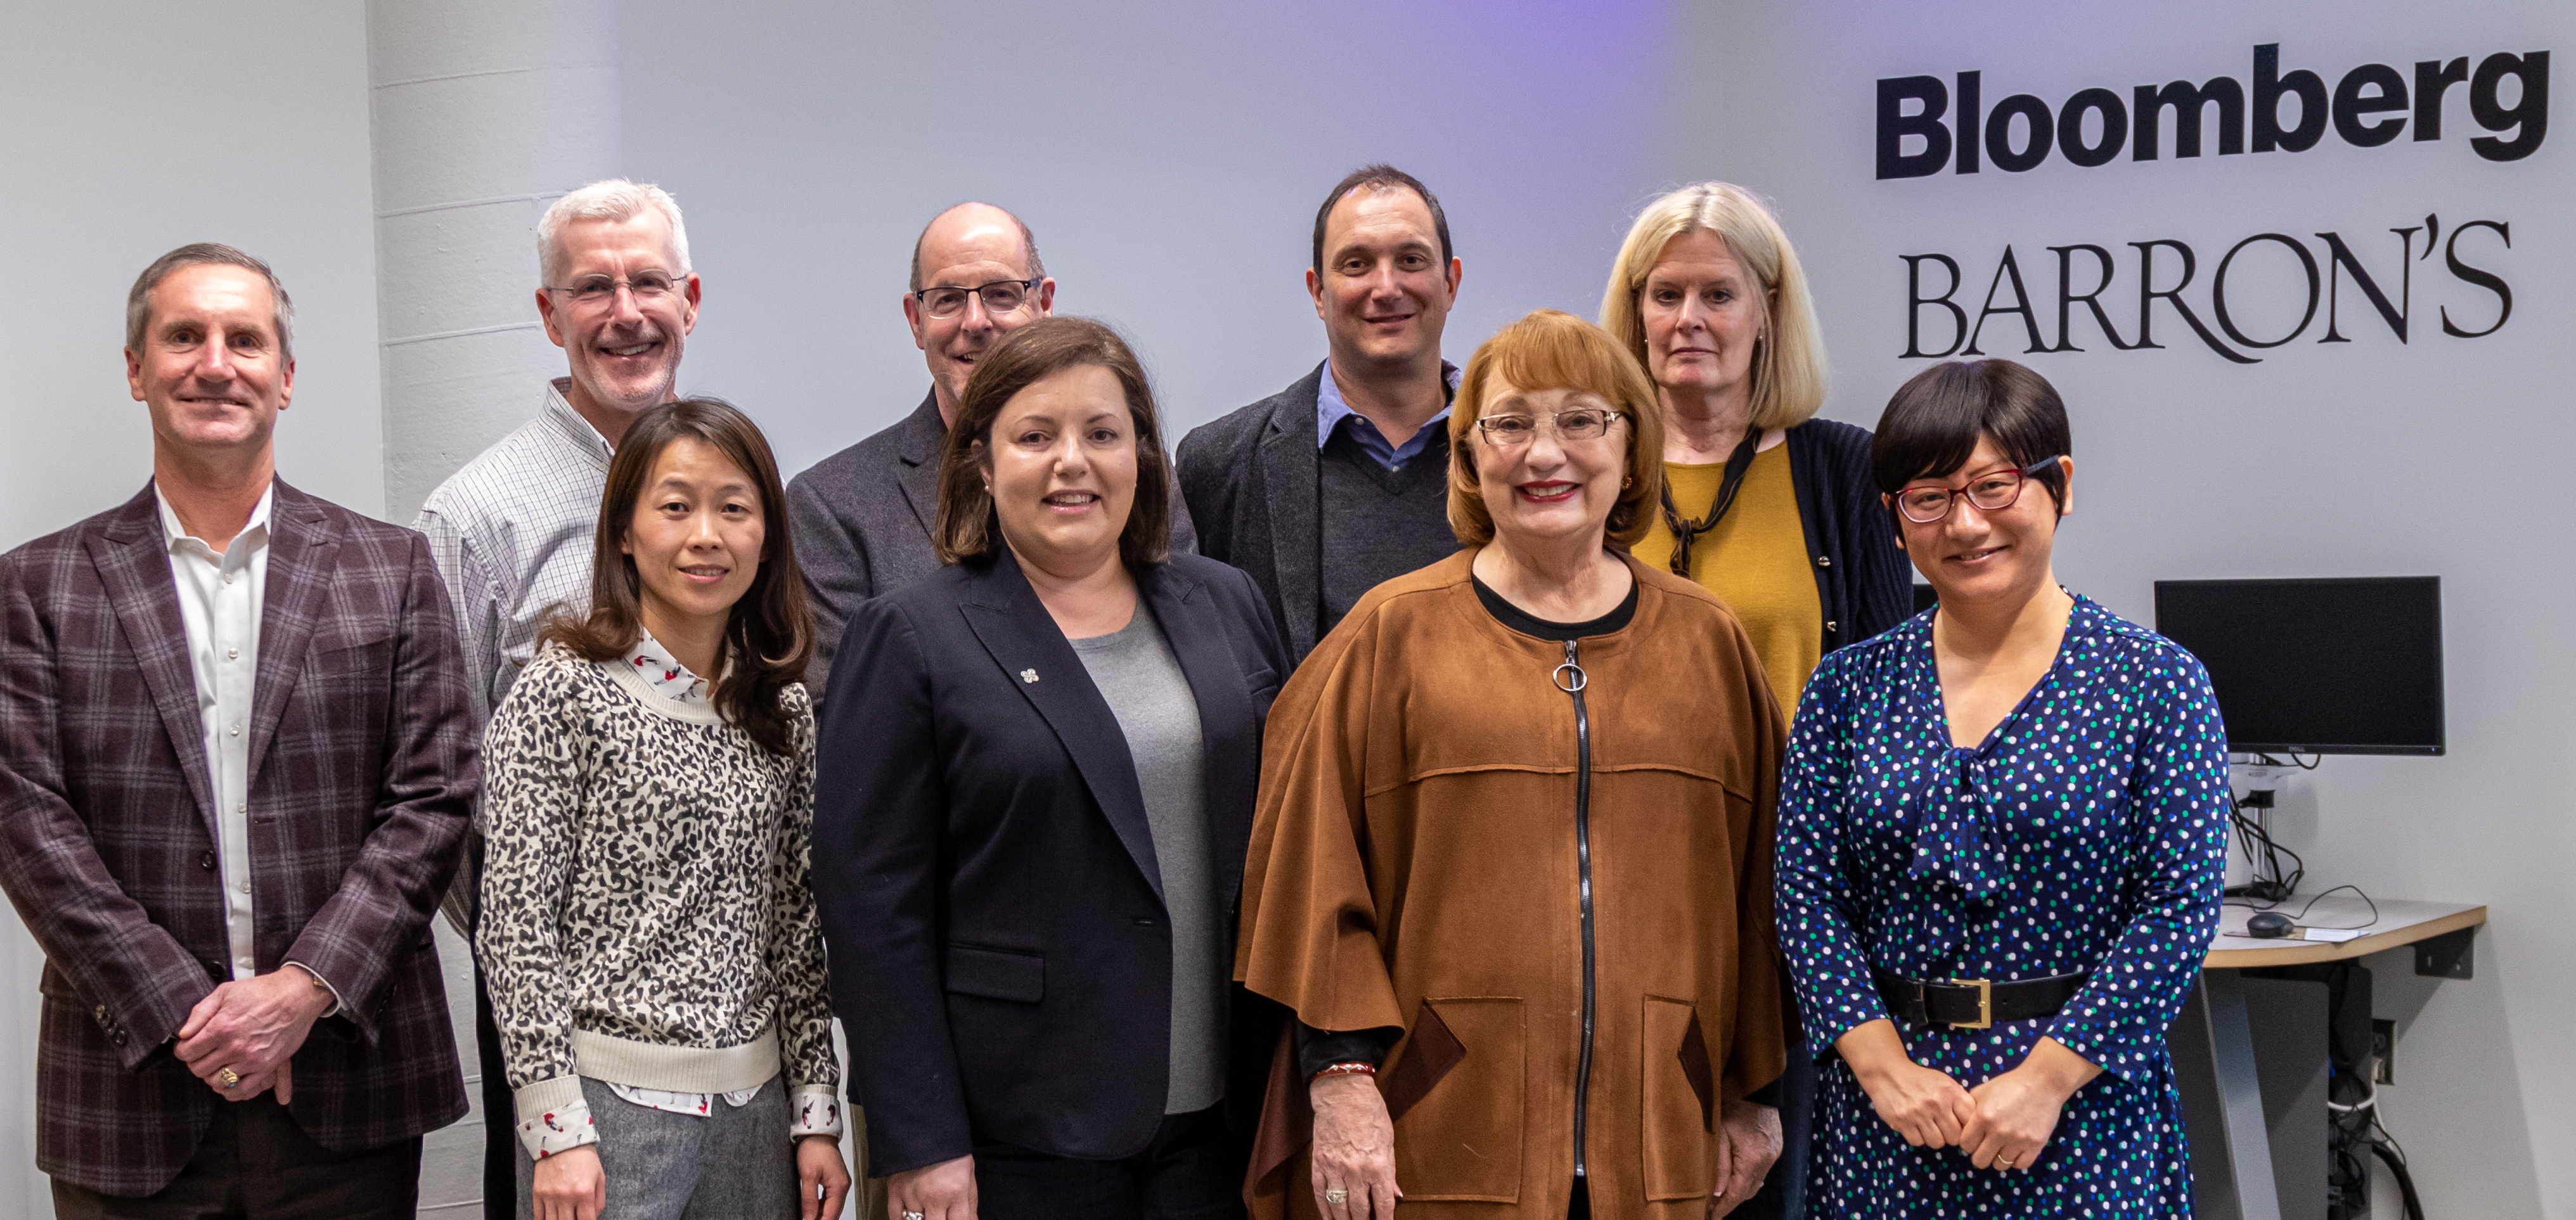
(1550, 349)
(770, 634)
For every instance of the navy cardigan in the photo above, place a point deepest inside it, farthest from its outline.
(1863, 580)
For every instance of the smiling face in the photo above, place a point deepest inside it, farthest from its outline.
(1548, 490)
(211, 371)
(1383, 292)
(969, 246)
(625, 352)
(696, 537)
(1061, 462)
(1978, 555)
(1703, 311)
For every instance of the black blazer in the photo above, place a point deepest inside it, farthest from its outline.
(1000, 952)
(854, 541)
(1250, 480)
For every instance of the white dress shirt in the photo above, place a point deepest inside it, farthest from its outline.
(220, 598)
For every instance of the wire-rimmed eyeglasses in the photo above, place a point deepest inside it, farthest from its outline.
(1990, 492)
(1579, 424)
(647, 286)
(1000, 297)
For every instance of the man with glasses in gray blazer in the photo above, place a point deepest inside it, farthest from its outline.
(862, 517)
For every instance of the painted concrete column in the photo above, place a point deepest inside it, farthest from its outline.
(483, 112)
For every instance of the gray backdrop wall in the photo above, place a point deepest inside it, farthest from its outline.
(1170, 156)
(131, 129)
(2439, 455)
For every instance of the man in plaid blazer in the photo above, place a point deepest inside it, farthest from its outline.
(235, 770)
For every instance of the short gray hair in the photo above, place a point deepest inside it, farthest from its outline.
(138, 303)
(610, 199)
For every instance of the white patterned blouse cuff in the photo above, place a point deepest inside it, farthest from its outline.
(817, 1111)
(553, 1117)
(699, 1104)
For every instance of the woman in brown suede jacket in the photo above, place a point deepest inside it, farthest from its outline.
(1512, 859)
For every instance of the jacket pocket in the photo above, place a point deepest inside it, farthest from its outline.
(1460, 1138)
(1680, 1097)
(996, 974)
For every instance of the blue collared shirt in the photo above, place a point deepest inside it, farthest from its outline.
(1330, 411)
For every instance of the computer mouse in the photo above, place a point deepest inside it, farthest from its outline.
(2268, 925)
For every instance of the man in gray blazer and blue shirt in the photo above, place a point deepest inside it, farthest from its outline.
(1341, 481)
(976, 276)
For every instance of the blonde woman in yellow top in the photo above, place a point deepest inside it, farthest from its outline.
(1773, 510)
(1765, 505)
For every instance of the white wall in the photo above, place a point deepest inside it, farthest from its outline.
(130, 129)
(1168, 155)
(2439, 456)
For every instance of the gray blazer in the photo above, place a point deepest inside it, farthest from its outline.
(1250, 479)
(856, 539)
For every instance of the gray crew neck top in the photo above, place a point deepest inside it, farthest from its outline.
(1140, 678)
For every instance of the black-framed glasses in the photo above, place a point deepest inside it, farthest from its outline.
(1000, 297)
(647, 287)
(1579, 424)
(1990, 492)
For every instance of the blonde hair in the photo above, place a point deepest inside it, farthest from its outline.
(1550, 349)
(1789, 359)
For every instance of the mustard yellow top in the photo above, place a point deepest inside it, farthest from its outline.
(1755, 561)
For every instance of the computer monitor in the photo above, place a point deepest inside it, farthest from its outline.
(2342, 666)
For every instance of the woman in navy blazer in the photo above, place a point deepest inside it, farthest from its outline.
(1035, 795)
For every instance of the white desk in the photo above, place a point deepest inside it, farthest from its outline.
(2400, 923)
(2441, 933)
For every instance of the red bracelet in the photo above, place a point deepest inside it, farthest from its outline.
(1347, 1069)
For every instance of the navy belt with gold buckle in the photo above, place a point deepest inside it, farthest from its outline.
(1974, 1003)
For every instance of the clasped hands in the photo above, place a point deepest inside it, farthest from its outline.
(573, 1185)
(252, 1028)
(1353, 1162)
(2003, 1124)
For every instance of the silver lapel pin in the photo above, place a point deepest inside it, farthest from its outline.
(1028, 675)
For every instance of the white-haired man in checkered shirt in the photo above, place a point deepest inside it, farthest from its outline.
(512, 532)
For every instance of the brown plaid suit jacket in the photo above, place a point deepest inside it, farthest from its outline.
(362, 778)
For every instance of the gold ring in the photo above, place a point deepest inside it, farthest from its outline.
(2003, 1162)
(229, 1077)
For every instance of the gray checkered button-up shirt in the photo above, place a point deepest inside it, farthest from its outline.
(512, 534)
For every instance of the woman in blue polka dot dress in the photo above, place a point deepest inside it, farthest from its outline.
(2000, 848)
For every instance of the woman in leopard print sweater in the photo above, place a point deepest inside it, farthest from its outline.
(648, 922)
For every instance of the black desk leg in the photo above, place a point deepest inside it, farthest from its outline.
(2213, 1045)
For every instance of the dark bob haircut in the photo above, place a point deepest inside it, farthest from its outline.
(1933, 422)
(968, 526)
(769, 635)
(1383, 178)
